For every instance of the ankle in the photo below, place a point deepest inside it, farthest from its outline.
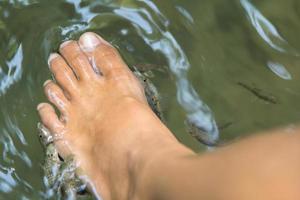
(144, 165)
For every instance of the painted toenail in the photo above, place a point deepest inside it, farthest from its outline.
(46, 82)
(64, 44)
(52, 57)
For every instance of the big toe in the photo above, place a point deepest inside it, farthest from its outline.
(76, 59)
(103, 56)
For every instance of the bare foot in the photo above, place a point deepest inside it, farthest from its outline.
(104, 120)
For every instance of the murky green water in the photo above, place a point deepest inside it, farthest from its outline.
(231, 63)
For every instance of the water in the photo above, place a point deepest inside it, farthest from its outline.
(232, 64)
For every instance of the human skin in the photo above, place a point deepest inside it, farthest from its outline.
(126, 152)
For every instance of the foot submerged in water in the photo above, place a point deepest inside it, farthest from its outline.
(105, 121)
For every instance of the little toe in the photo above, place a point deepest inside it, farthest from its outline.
(55, 126)
(79, 62)
(56, 96)
(102, 54)
(49, 118)
(63, 73)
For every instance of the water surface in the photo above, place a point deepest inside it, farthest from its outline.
(227, 64)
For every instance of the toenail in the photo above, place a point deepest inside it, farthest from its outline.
(47, 82)
(40, 106)
(64, 44)
(89, 41)
(52, 57)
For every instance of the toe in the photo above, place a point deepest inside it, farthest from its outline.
(49, 118)
(56, 96)
(56, 127)
(63, 73)
(102, 54)
(79, 62)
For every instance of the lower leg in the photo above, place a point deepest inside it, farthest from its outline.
(264, 167)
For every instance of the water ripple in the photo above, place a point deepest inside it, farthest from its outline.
(7, 181)
(279, 70)
(14, 71)
(152, 26)
(9, 149)
(186, 14)
(163, 41)
(84, 11)
(267, 30)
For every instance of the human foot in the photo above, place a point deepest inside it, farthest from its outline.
(105, 120)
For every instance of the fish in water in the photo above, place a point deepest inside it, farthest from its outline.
(269, 98)
(60, 174)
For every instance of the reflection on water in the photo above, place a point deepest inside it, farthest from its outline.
(271, 36)
(266, 29)
(14, 71)
(279, 70)
(161, 40)
(201, 53)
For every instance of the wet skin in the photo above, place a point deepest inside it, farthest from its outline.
(96, 109)
(60, 174)
(126, 152)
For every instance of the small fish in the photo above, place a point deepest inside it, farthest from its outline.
(225, 125)
(151, 94)
(200, 135)
(60, 174)
(260, 93)
(146, 67)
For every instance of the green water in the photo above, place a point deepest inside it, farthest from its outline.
(207, 58)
